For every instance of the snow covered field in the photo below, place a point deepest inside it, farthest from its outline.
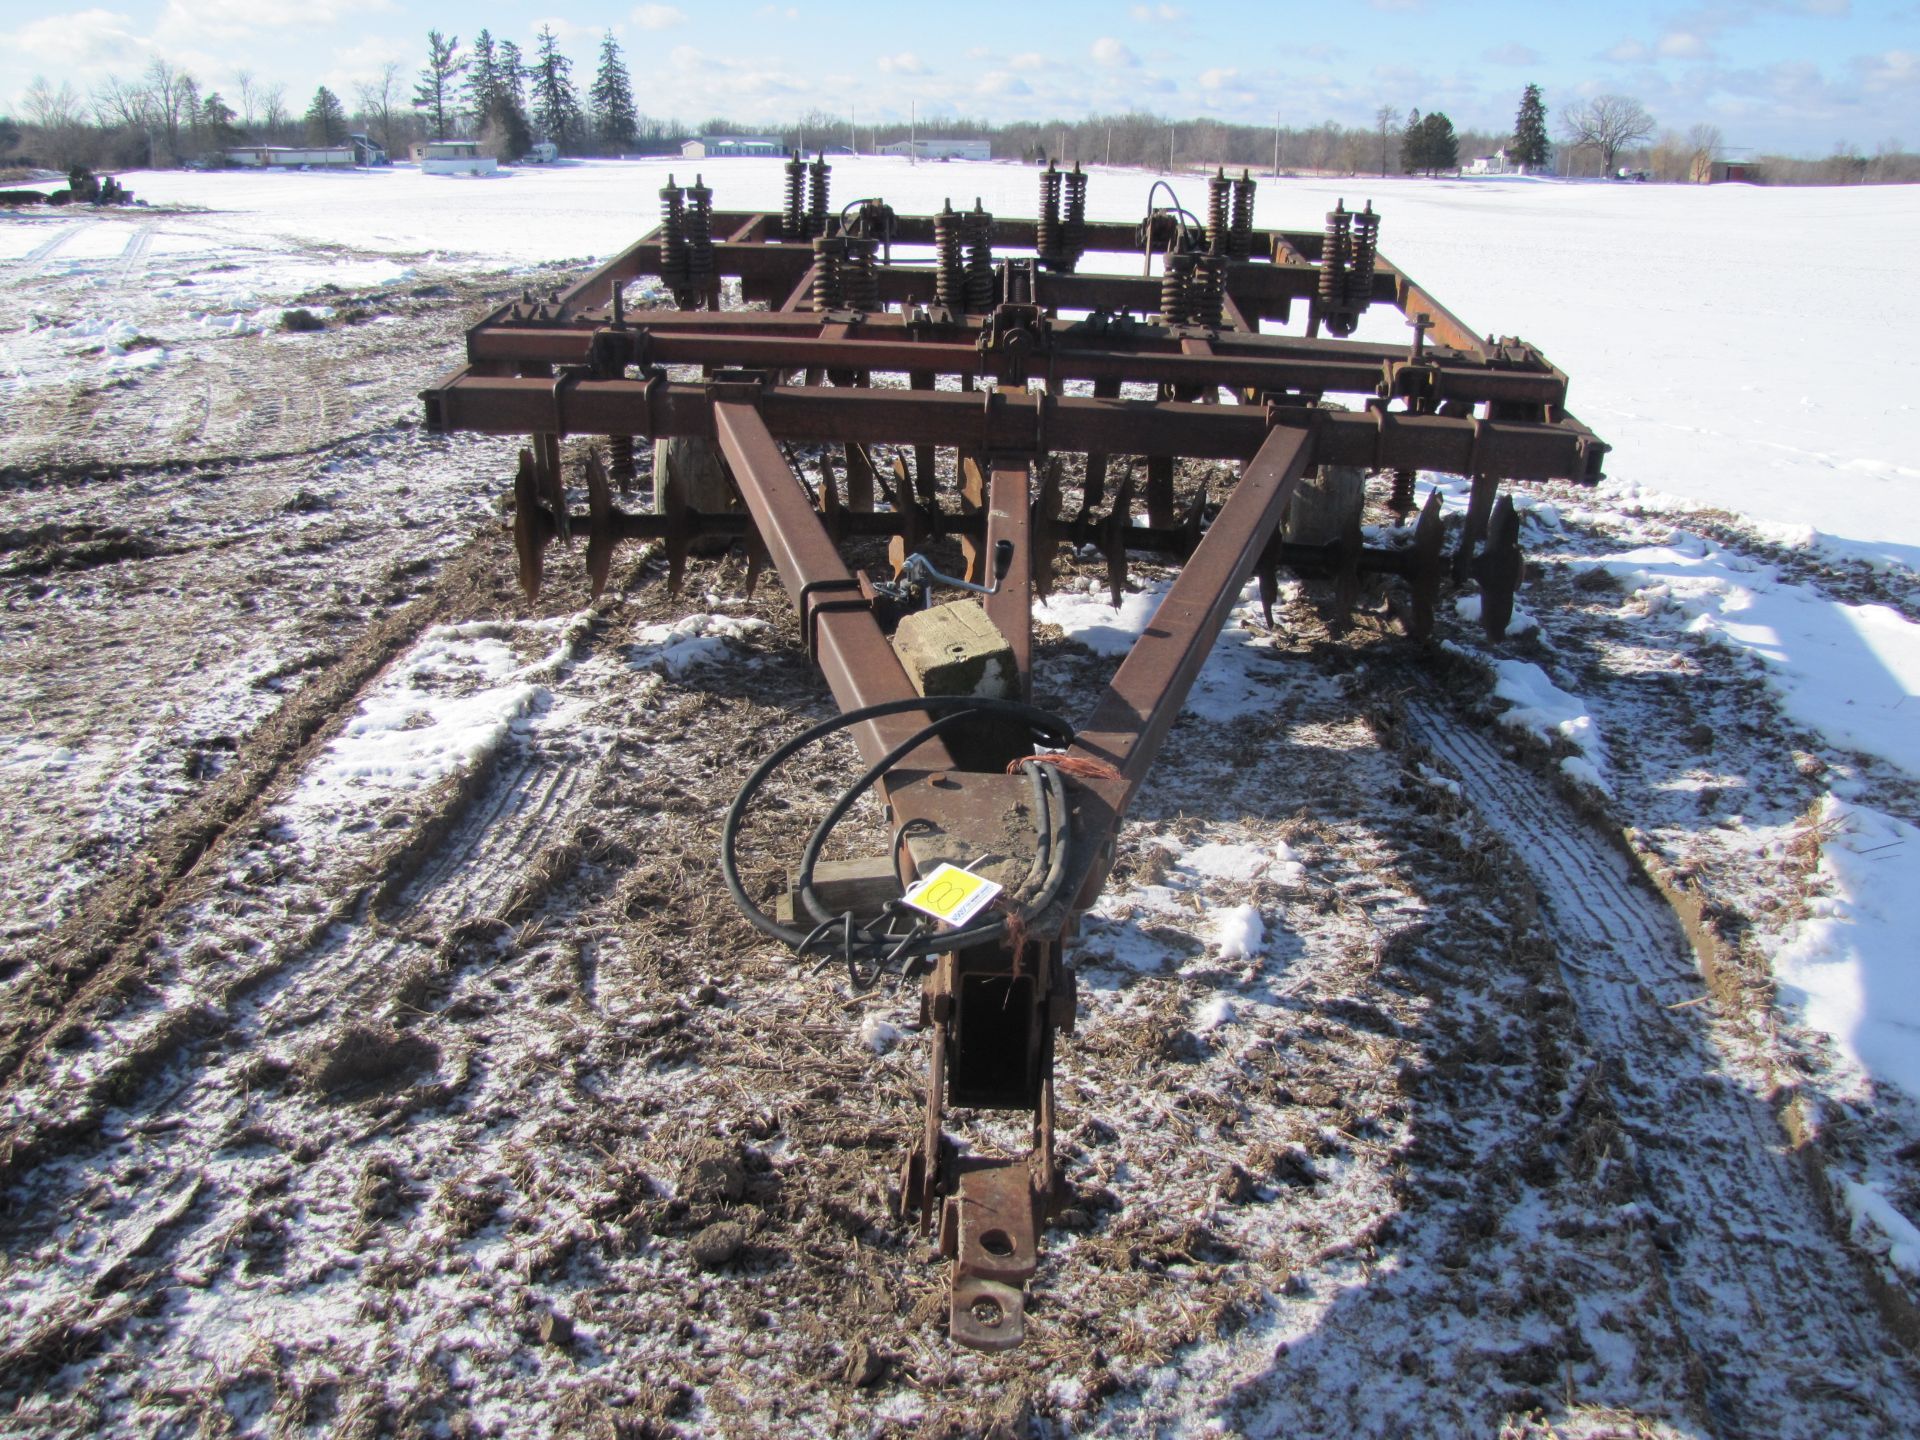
(1720, 651)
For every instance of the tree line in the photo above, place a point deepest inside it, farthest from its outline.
(489, 90)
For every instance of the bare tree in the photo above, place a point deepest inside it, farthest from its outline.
(273, 109)
(1704, 142)
(1386, 120)
(243, 84)
(171, 95)
(57, 115)
(1607, 123)
(378, 100)
(118, 103)
(47, 108)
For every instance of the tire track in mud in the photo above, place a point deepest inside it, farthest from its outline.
(343, 966)
(134, 256)
(1773, 1305)
(34, 259)
(103, 946)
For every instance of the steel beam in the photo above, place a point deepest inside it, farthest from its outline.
(855, 657)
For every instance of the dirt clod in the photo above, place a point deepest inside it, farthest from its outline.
(366, 1059)
(555, 1329)
(717, 1244)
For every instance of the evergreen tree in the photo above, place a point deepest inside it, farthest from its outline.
(1530, 131)
(483, 77)
(614, 120)
(434, 95)
(556, 104)
(216, 122)
(512, 72)
(1411, 140)
(1439, 148)
(504, 130)
(326, 119)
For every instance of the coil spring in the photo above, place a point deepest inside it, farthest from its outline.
(979, 260)
(829, 293)
(1240, 228)
(698, 222)
(1402, 502)
(620, 460)
(860, 281)
(1335, 256)
(1208, 289)
(673, 235)
(1366, 242)
(818, 180)
(1046, 235)
(793, 218)
(1175, 283)
(1219, 210)
(950, 269)
(1074, 239)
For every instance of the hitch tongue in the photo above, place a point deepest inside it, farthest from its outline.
(988, 1230)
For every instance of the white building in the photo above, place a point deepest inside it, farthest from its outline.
(454, 157)
(294, 157)
(722, 146)
(936, 149)
(1494, 164)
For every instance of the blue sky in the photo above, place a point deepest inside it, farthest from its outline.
(1799, 75)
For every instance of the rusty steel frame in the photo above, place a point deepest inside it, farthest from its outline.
(579, 362)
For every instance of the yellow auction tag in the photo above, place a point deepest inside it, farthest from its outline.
(951, 894)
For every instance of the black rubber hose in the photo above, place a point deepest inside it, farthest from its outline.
(816, 842)
(1049, 727)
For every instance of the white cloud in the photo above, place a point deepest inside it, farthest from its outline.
(229, 18)
(1218, 79)
(1158, 14)
(1891, 70)
(1628, 52)
(999, 82)
(1111, 53)
(658, 17)
(1684, 45)
(86, 40)
(905, 63)
(1029, 60)
(774, 12)
(1514, 53)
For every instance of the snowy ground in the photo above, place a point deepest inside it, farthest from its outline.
(369, 999)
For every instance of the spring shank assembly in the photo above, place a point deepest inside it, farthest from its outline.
(1047, 236)
(793, 215)
(787, 382)
(1240, 229)
(1074, 229)
(819, 178)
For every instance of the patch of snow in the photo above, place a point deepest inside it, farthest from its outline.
(1849, 970)
(1467, 607)
(670, 648)
(1216, 1014)
(450, 701)
(1881, 1228)
(1851, 672)
(878, 1036)
(1239, 932)
(1541, 708)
